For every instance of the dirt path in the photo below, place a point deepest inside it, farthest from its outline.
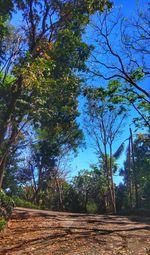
(54, 233)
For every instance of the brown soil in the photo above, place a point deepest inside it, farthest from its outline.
(55, 233)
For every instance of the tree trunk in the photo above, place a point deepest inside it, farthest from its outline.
(38, 188)
(2, 169)
(134, 171)
(113, 197)
(60, 193)
(129, 180)
(109, 180)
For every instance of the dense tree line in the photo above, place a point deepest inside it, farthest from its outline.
(89, 190)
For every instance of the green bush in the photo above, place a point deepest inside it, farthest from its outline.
(91, 207)
(6, 205)
(23, 203)
(2, 223)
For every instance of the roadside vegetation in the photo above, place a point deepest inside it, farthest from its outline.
(6, 208)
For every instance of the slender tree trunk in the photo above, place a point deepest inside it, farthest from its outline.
(86, 200)
(60, 193)
(3, 159)
(109, 180)
(33, 177)
(2, 169)
(129, 180)
(113, 197)
(107, 173)
(35, 197)
(105, 202)
(134, 171)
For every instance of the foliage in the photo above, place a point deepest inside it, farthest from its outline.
(23, 203)
(91, 207)
(91, 189)
(40, 81)
(103, 123)
(3, 223)
(39, 92)
(124, 63)
(88, 191)
(128, 98)
(6, 7)
(121, 198)
(6, 205)
(10, 183)
(71, 198)
(140, 168)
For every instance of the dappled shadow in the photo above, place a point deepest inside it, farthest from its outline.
(26, 215)
(72, 232)
(139, 219)
(89, 218)
(75, 225)
(74, 229)
(41, 229)
(33, 240)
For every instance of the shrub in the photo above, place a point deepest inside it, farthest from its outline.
(23, 203)
(91, 207)
(2, 223)
(6, 205)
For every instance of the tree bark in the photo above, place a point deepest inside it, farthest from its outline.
(2, 169)
(113, 197)
(134, 171)
(112, 206)
(129, 180)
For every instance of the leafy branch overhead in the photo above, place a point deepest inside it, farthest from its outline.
(38, 82)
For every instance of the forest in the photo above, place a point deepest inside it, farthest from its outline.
(74, 74)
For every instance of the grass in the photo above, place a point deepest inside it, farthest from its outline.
(3, 223)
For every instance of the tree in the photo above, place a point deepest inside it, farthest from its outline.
(37, 70)
(90, 186)
(120, 197)
(119, 94)
(10, 183)
(126, 60)
(6, 8)
(137, 163)
(103, 123)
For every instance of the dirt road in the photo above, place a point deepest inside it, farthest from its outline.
(54, 233)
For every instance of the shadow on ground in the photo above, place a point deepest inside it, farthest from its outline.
(65, 232)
